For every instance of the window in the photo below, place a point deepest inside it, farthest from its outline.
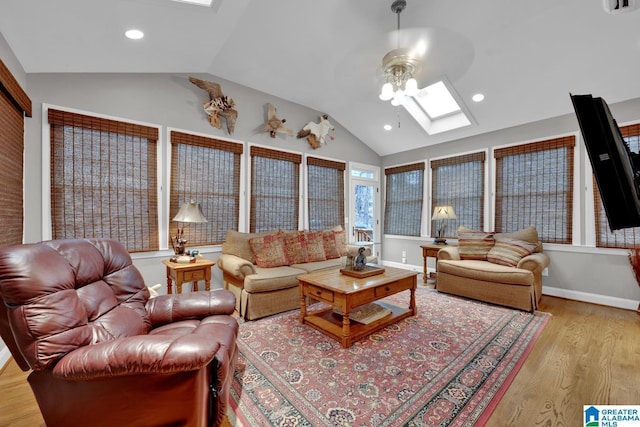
(403, 206)
(534, 187)
(275, 190)
(459, 182)
(627, 237)
(104, 180)
(206, 170)
(325, 193)
(14, 104)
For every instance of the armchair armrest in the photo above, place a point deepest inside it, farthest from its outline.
(536, 262)
(449, 252)
(159, 354)
(194, 305)
(235, 266)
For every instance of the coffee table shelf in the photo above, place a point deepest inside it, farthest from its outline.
(331, 324)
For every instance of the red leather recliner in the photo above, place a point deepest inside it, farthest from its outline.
(78, 313)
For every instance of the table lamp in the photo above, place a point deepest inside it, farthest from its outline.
(442, 214)
(190, 212)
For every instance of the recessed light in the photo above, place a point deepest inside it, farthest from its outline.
(478, 97)
(388, 127)
(134, 34)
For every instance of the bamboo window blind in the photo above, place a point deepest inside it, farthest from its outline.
(459, 182)
(104, 180)
(627, 237)
(275, 190)
(534, 187)
(403, 206)
(325, 193)
(206, 170)
(14, 105)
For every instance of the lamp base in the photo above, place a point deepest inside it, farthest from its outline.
(439, 241)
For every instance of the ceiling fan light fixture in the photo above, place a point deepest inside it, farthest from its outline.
(398, 68)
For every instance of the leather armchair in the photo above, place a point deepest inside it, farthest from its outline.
(78, 314)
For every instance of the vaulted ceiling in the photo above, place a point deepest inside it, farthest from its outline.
(524, 56)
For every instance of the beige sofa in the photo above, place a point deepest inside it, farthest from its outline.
(267, 287)
(499, 268)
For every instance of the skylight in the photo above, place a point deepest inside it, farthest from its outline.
(436, 109)
(198, 2)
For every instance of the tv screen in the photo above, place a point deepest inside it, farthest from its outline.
(616, 168)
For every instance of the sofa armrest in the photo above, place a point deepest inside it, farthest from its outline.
(193, 305)
(235, 266)
(449, 252)
(536, 262)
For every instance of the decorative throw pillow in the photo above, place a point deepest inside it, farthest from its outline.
(508, 251)
(528, 234)
(475, 245)
(269, 250)
(315, 246)
(331, 250)
(295, 247)
(341, 241)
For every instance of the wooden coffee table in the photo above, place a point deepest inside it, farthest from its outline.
(346, 293)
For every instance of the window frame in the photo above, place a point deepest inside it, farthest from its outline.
(282, 155)
(390, 204)
(218, 149)
(47, 230)
(460, 159)
(536, 146)
(340, 168)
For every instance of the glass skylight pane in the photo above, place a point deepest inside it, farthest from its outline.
(437, 100)
(198, 2)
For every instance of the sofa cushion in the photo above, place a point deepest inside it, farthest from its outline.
(475, 245)
(272, 279)
(319, 265)
(508, 251)
(268, 250)
(295, 247)
(237, 244)
(486, 271)
(315, 246)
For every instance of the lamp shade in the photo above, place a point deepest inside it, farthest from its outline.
(190, 212)
(443, 212)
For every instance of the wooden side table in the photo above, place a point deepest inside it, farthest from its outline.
(188, 272)
(429, 250)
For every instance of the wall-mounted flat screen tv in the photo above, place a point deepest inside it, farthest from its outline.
(616, 168)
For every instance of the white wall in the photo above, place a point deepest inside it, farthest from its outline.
(577, 271)
(168, 100)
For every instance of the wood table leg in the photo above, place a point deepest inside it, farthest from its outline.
(303, 306)
(346, 330)
(412, 300)
(169, 290)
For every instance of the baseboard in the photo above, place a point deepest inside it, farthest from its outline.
(5, 355)
(623, 303)
(410, 267)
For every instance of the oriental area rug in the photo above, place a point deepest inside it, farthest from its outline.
(447, 366)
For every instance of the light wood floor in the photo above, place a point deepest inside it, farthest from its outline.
(587, 354)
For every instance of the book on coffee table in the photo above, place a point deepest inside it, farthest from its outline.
(367, 313)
